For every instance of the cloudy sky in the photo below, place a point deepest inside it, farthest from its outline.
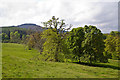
(103, 14)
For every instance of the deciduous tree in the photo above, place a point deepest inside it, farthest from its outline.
(93, 45)
(74, 42)
(54, 46)
(112, 44)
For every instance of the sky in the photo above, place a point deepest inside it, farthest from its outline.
(103, 15)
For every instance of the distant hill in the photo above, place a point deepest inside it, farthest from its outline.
(30, 26)
(26, 26)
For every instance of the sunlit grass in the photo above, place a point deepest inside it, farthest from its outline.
(19, 62)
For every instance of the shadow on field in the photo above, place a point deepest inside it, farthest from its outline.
(98, 65)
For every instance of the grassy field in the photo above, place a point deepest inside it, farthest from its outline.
(17, 62)
(0, 61)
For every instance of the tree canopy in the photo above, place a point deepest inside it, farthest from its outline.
(74, 42)
(54, 46)
(112, 44)
(93, 44)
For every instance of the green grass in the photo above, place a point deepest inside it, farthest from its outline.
(0, 61)
(17, 62)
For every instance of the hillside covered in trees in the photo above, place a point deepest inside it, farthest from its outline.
(56, 43)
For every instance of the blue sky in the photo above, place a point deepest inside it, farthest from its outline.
(103, 14)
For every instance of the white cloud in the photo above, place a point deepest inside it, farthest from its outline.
(76, 12)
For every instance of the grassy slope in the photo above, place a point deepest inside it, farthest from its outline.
(0, 61)
(18, 62)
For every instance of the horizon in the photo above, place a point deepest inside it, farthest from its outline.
(42, 26)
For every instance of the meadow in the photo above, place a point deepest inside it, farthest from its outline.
(19, 62)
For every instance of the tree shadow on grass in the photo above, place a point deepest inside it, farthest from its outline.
(98, 65)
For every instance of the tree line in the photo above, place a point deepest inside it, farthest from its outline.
(82, 44)
(14, 34)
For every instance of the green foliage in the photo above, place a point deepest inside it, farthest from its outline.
(105, 36)
(115, 33)
(15, 37)
(19, 33)
(11, 36)
(23, 38)
(57, 25)
(54, 49)
(7, 30)
(112, 44)
(93, 45)
(74, 42)
(0, 37)
(5, 37)
(34, 41)
(54, 46)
